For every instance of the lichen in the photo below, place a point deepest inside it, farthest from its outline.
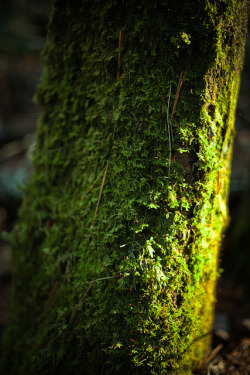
(117, 244)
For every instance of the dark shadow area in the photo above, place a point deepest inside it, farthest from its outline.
(22, 36)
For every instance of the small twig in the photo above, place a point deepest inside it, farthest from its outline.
(83, 297)
(214, 352)
(100, 194)
(119, 56)
(181, 79)
(142, 357)
(91, 187)
(133, 115)
(88, 289)
(169, 130)
(81, 300)
(101, 279)
(169, 126)
(93, 281)
(110, 277)
(233, 360)
(56, 149)
(218, 182)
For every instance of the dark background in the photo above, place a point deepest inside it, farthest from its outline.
(22, 37)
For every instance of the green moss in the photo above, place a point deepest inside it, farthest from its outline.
(116, 247)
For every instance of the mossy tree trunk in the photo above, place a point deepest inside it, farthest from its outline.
(117, 244)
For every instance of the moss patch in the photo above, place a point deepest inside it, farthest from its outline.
(116, 247)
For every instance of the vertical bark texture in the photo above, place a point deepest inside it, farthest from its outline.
(116, 248)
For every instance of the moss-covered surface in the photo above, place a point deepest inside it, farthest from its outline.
(116, 248)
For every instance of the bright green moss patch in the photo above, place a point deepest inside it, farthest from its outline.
(116, 247)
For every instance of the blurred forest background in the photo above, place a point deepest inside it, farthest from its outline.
(22, 37)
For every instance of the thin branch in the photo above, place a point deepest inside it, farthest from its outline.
(91, 187)
(83, 297)
(101, 279)
(109, 277)
(81, 300)
(88, 289)
(218, 182)
(169, 130)
(214, 352)
(100, 194)
(169, 125)
(181, 79)
(119, 56)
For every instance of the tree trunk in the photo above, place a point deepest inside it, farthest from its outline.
(117, 244)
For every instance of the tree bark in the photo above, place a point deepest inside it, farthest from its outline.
(117, 243)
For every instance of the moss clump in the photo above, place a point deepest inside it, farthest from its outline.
(116, 247)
